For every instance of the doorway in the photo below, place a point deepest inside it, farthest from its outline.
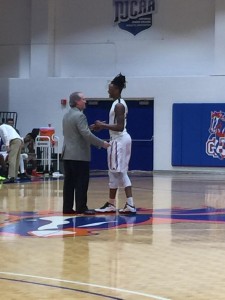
(140, 122)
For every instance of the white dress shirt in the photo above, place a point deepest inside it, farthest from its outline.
(8, 133)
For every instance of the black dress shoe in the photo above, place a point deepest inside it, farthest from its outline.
(9, 180)
(69, 212)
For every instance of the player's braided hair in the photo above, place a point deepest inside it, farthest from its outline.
(119, 81)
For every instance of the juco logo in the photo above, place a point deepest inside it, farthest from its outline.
(215, 145)
(134, 15)
(41, 225)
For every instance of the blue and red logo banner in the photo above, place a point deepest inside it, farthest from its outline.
(198, 134)
(215, 145)
(134, 16)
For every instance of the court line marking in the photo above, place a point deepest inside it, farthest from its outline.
(87, 284)
(61, 287)
(169, 229)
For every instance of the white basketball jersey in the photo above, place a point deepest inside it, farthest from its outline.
(112, 118)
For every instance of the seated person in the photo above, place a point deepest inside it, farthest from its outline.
(29, 149)
(3, 161)
(3, 167)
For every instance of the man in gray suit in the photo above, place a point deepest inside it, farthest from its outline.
(76, 155)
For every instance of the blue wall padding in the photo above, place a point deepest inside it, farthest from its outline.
(191, 135)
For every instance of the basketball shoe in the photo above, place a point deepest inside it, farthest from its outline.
(128, 209)
(106, 208)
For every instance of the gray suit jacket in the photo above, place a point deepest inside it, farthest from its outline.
(77, 136)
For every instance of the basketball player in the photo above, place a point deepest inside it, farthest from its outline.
(120, 150)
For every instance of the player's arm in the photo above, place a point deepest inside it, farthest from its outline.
(119, 120)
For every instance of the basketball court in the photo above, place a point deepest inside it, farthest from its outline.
(173, 248)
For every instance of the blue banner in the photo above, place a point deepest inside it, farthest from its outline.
(198, 135)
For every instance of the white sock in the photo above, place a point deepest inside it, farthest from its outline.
(130, 201)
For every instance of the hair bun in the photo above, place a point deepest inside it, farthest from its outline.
(119, 81)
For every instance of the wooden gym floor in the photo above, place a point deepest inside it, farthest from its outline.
(174, 248)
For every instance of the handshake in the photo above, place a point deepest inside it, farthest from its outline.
(98, 125)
